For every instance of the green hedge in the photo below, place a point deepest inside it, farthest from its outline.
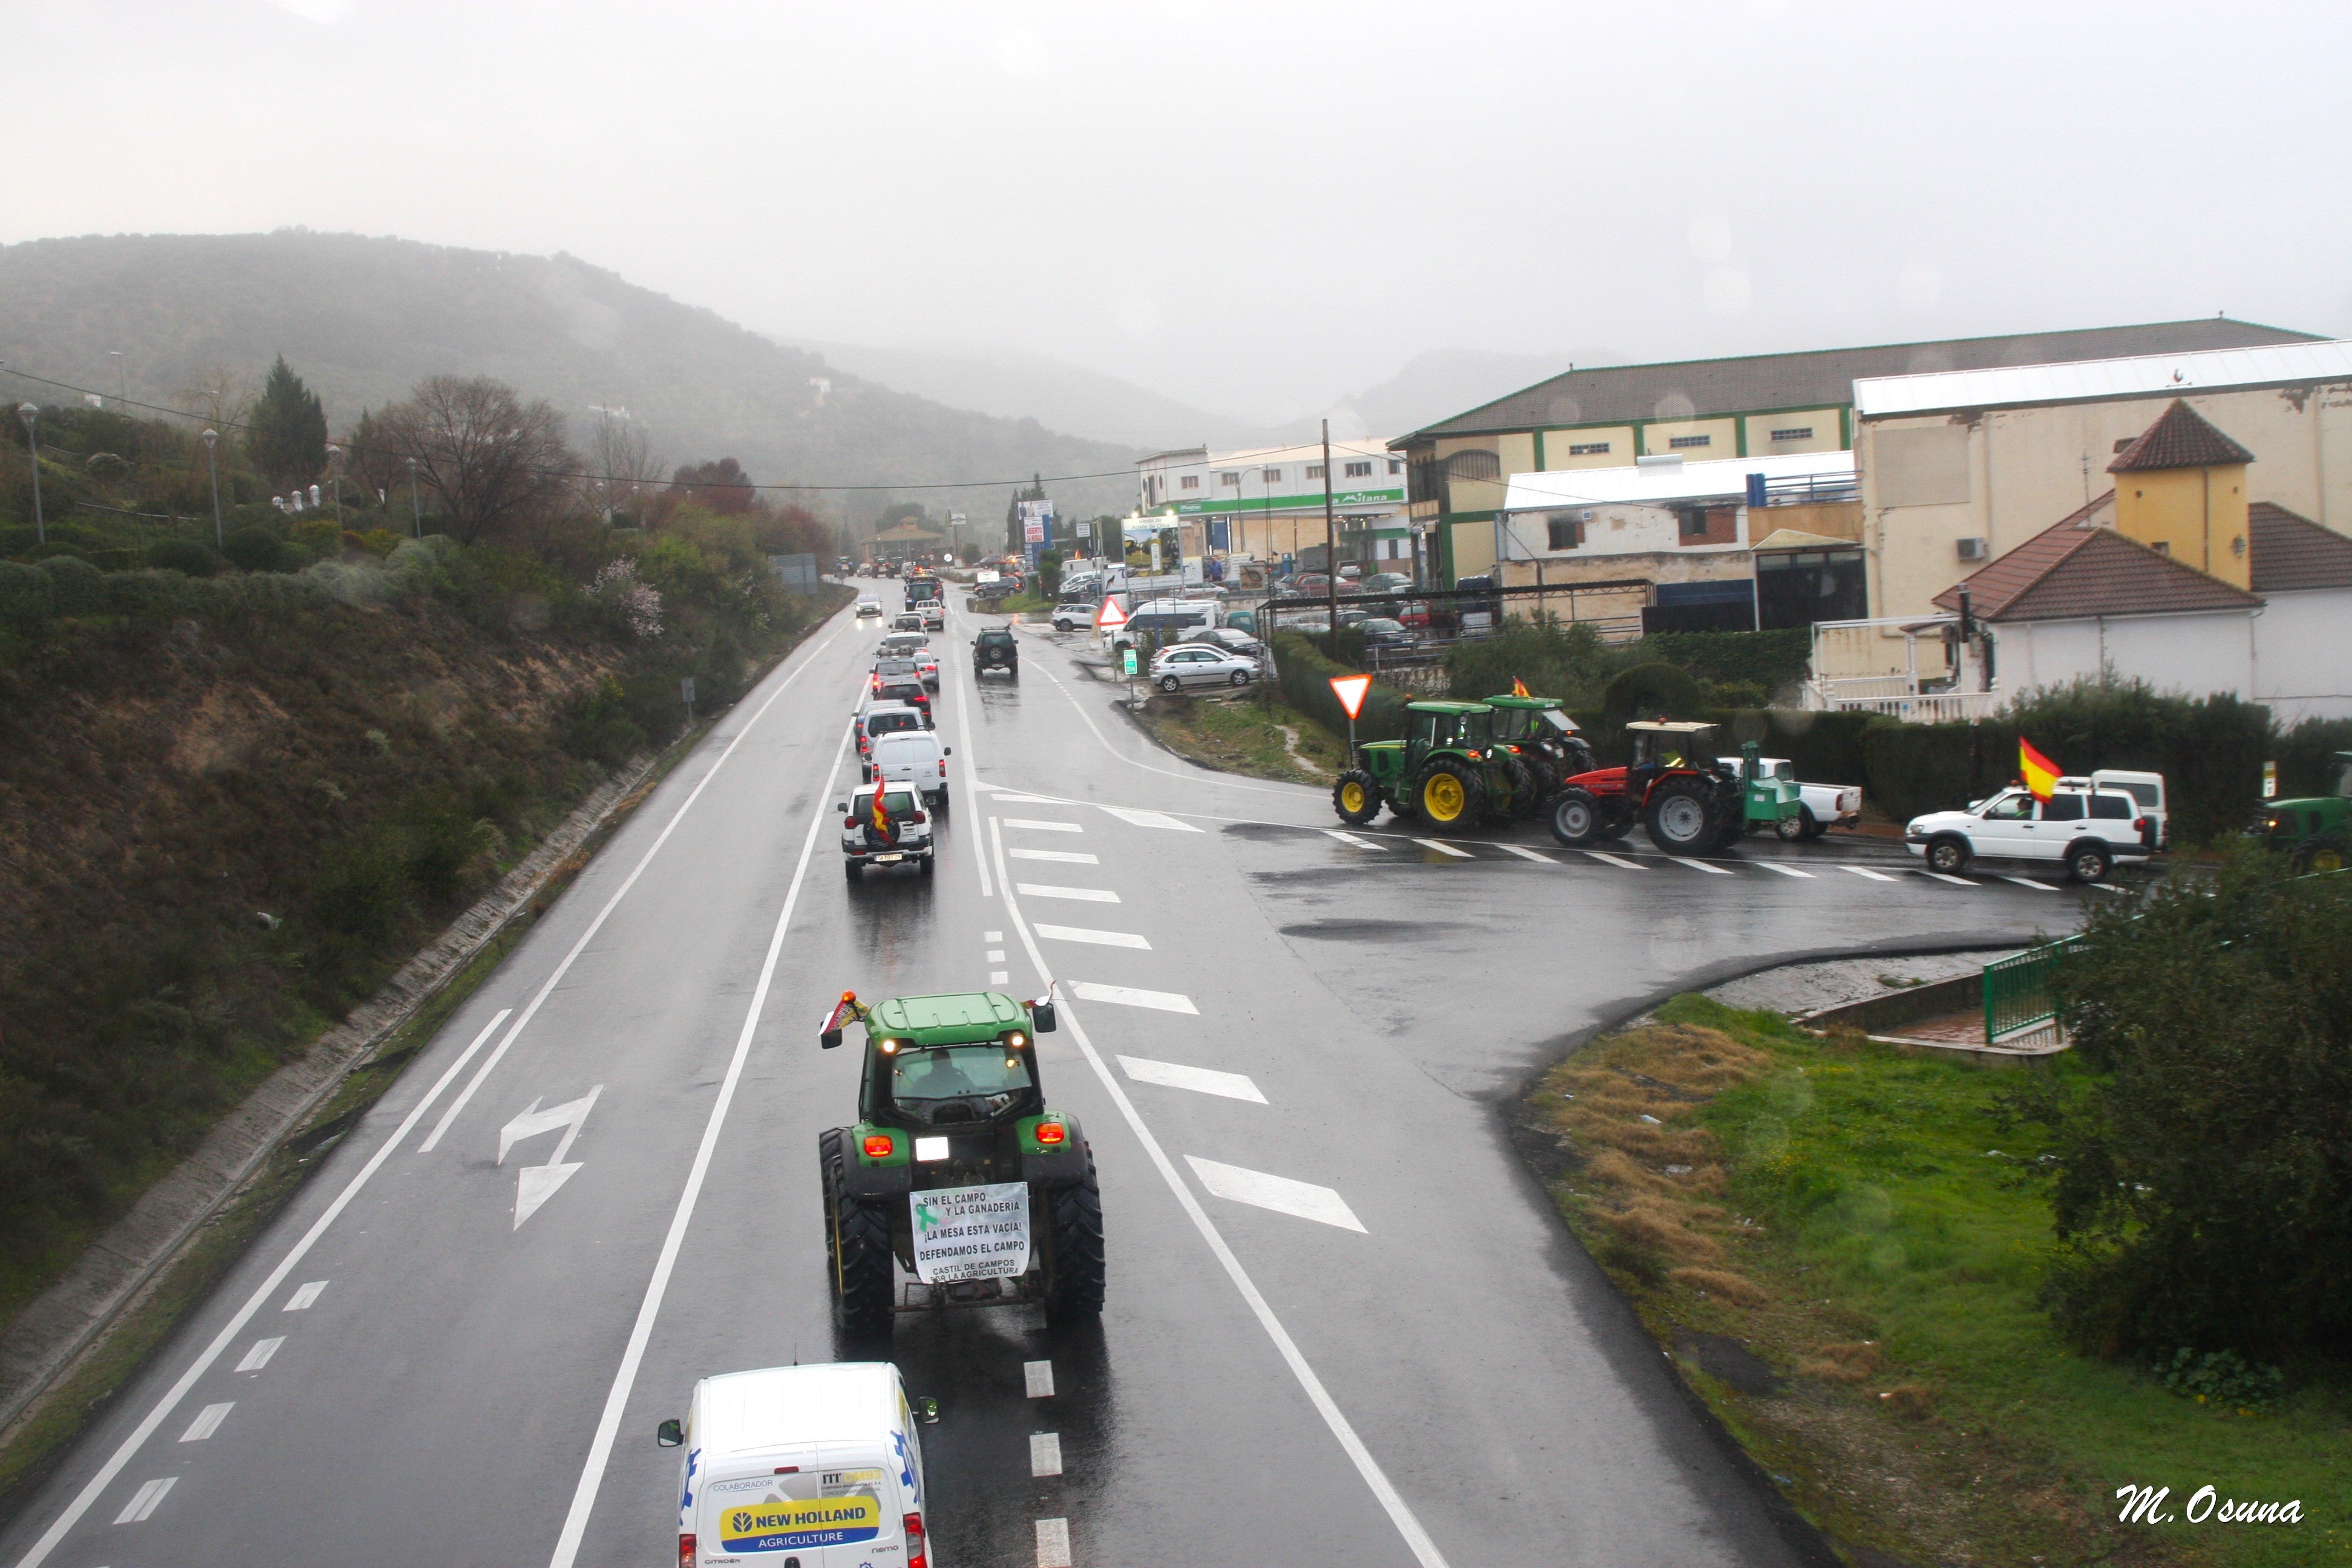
(1306, 680)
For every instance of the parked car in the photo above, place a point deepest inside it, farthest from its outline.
(1232, 639)
(2146, 788)
(1199, 664)
(1386, 583)
(916, 759)
(2090, 832)
(867, 605)
(1820, 807)
(1421, 616)
(1073, 614)
(1389, 636)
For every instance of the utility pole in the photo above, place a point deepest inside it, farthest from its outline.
(210, 440)
(31, 414)
(1330, 538)
(335, 472)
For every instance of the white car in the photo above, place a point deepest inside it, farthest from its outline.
(907, 842)
(1199, 664)
(2090, 832)
(916, 759)
(1074, 614)
(2146, 788)
(1822, 806)
(867, 605)
(934, 615)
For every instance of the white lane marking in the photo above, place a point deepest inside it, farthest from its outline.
(1038, 1376)
(971, 784)
(1280, 1194)
(129, 1449)
(1200, 777)
(624, 1376)
(1784, 870)
(1351, 838)
(1128, 814)
(1866, 871)
(556, 978)
(1527, 854)
(1061, 857)
(258, 1356)
(1946, 877)
(480, 1041)
(991, 936)
(1698, 865)
(995, 955)
(1045, 1453)
(534, 1185)
(1006, 797)
(1201, 1080)
(142, 1502)
(1053, 1543)
(2030, 882)
(1099, 937)
(207, 1421)
(1400, 1515)
(1444, 849)
(305, 1298)
(1043, 826)
(1130, 996)
(1084, 895)
(1613, 860)
(1000, 977)
(2107, 887)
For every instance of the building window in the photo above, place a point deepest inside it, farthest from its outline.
(1566, 532)
(2162, 546)
(1588, 448)
(1794, 433)
(1676, 443)
(1273, 476)
(1314, 471)
(1189, 482)
(1232, 478)
(1360, 470)
(1396, 465)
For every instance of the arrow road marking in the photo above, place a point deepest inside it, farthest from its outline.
(1205, 1081)
(1280, 1194)
(534, 1185)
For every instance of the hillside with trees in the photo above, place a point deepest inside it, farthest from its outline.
(198, 319)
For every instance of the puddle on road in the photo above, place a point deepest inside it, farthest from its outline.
(1370, 931)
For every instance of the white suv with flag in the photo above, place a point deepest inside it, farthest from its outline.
(2090, 832)
(897, 834)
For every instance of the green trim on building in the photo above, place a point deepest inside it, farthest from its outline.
(1540, 464)
(1285, 503)
(1845, 427)
(1740, 433)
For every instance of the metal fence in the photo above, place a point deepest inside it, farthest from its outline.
(2018, 996)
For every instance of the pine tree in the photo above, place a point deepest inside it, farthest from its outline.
(288, 439)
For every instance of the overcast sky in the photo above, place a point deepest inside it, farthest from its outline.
(1257, 208)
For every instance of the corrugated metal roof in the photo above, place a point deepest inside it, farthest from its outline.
(2145, 375)
(1703, 388)
(2288, 552)
(1663, 484)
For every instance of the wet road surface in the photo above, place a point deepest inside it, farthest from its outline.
(1343, 1324)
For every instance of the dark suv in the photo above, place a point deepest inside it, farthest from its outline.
(995, 650)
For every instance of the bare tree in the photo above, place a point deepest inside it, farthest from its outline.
(219, 397)
(497, 463)
(621, 461)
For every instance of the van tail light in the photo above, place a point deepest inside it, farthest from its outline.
(686, 1549)
(917, 1557)
(943, 767)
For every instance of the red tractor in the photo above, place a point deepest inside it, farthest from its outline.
(1684, 798)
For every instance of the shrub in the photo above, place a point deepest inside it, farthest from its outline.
(255, 548)
(2201, 1182)
(2210, 749)
(186, 555)
(26, 599)
(1647, 690)
(1306, 676)
(1763, 661)
(2307, 756)
(75, 587)
(1569, 662)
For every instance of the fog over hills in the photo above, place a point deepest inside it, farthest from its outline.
(364, 318)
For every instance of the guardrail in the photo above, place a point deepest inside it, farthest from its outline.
(2018, 996)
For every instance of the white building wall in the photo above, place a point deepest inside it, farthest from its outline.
(2198, 655)
(2303, 655)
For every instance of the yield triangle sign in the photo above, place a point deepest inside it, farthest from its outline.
(1350, 689)
(1109, 617)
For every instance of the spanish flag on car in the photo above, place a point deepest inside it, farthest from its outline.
(881, 819)
(2039, 773)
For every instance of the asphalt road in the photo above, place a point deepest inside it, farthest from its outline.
(1343, 1324)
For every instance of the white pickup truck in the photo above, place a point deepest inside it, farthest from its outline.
(1822, 806)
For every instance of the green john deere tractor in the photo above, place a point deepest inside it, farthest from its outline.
(2315, 831)
(1448, 773)
(1538, 731)
(955, 1171)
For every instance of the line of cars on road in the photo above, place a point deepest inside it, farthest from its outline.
(901, 759)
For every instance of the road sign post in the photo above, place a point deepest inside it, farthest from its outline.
(686, 692)
(1350, 689)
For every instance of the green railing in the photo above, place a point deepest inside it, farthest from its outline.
(2018, 997)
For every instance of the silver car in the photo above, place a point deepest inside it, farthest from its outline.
(1201, 664)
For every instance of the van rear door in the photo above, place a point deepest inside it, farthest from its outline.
(865, 1481)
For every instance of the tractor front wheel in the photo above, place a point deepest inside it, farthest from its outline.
(1683, 817)
(1576, 817)
(1356, 797)
(1448, 794)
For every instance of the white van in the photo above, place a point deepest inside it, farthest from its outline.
(914, 758)
(2147, 789)
(802, 1467)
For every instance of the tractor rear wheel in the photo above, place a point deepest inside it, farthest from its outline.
(857, 1249)
(1525, 794)
(1356, 797)
(1681, 815)
(1075, 1268)
(1576, 817)
(2324, 853)
(1448, 794)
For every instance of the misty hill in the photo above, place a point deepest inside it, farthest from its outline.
(363, 320)
(1445, 382)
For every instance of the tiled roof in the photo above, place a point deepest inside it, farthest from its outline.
(1992, 587)
(2075, 568)
(1608, 395)
(2181, 438)
(2291, 552)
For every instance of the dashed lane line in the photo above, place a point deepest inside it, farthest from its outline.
(207, 1421)
(1098, 938)
(1526, 855)
(1060, 856)
(1946, 877)
(994, 955)
(1784, 870)
(1698, 865)
(1200, 1081)
(144, 1500)
(1444, 849)
(1150, 819)
(1613, 860)
(1083, 895)
(1000, 977)
(1037, 1377)
(303, 1300)
(1866, 871)
(1036, 826)
(1053, 1543)
(258, 1356)
(2030, 882)
(1261, 1189)
(1045, 1453)
(1351, 838)
(1134, 996)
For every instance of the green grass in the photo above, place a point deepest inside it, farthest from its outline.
(1843, 1193)
(1244, 735)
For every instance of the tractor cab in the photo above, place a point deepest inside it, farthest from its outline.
(2313, 831)
(1685, 799)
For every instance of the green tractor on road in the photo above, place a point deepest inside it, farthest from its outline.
(956, 1170)
(1448, 771)
(1539, 731)
(2315, 831)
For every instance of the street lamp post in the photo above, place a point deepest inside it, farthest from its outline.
(210, 440)
(415, 508)
(31, 416)
(335, 474)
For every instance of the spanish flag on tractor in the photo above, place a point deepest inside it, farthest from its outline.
(2039, 773)
(1519, 687)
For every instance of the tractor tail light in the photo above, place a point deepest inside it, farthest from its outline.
(686, 1549)
(1051, 1132)
(917, 1557)
(879, 1145)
